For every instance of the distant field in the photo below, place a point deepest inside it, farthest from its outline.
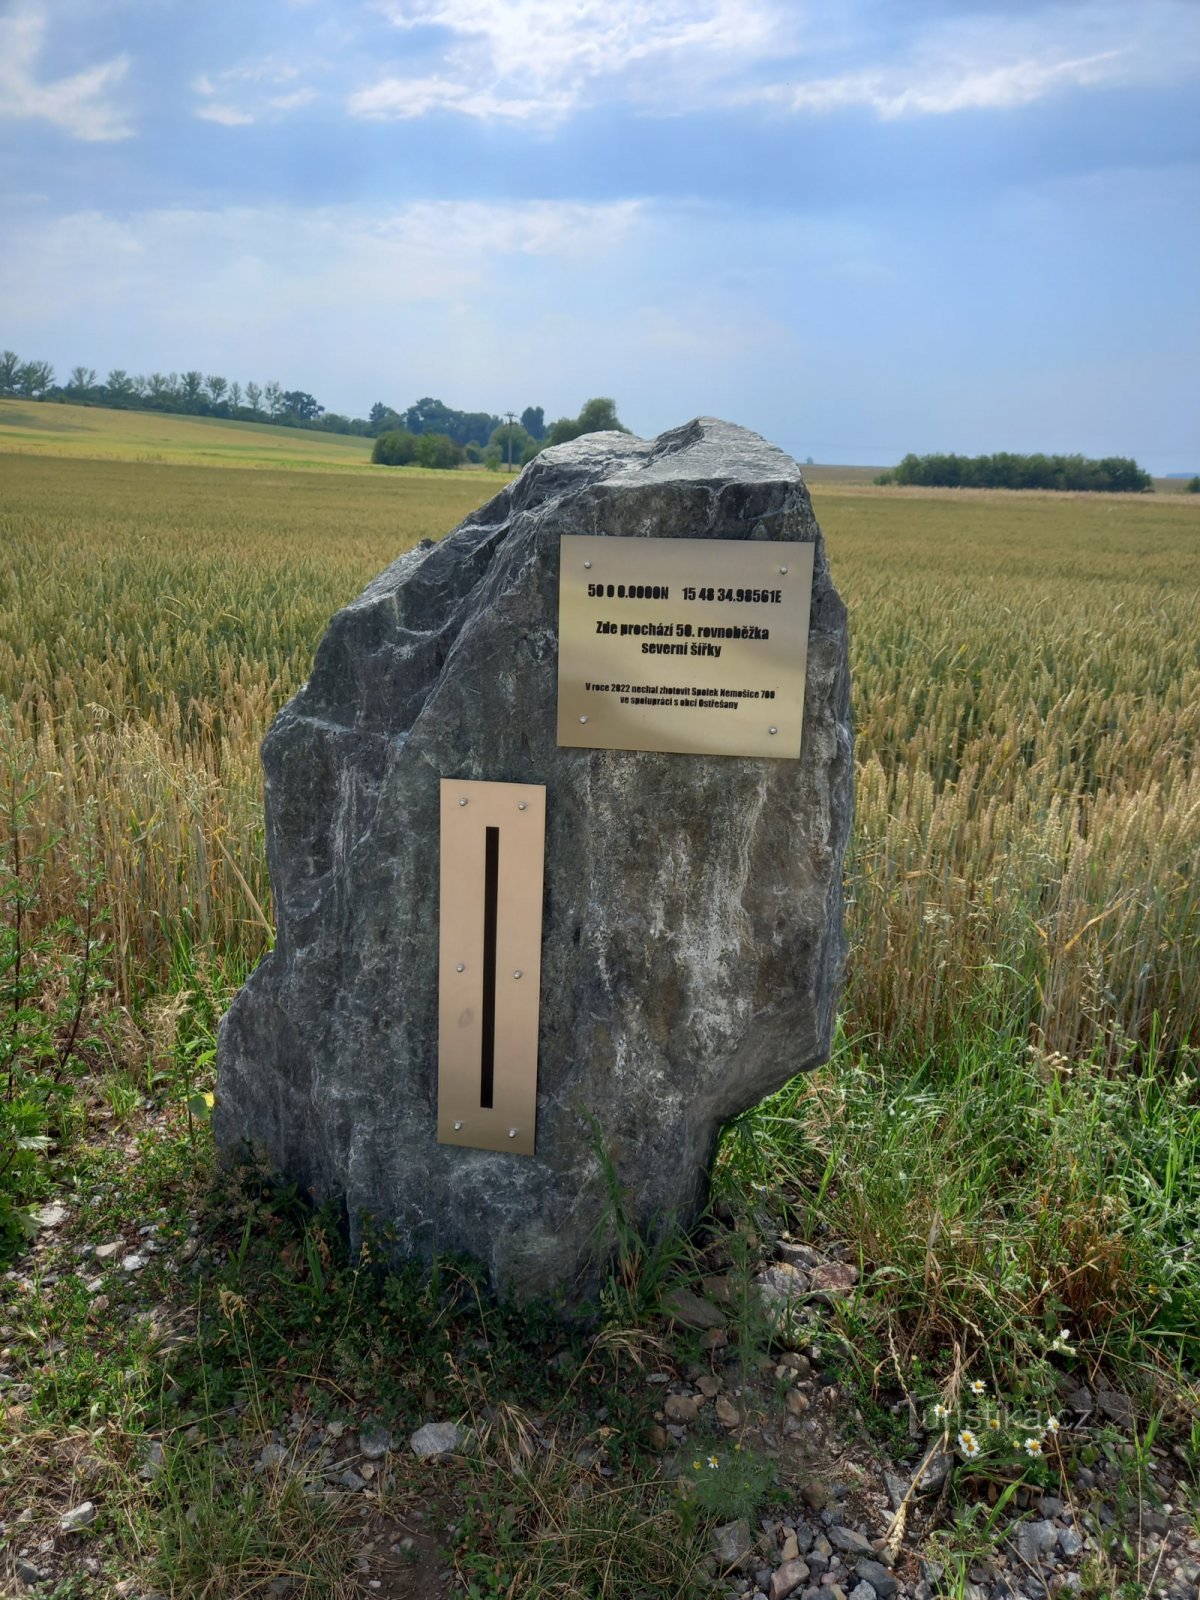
(34, 428)
(96, 433)
(1027, 708)
(815, 475)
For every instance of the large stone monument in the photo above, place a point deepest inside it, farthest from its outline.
(691, 940)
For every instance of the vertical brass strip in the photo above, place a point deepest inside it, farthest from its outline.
(493, 845)
(491, 897)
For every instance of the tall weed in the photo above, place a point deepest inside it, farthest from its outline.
(52, 973)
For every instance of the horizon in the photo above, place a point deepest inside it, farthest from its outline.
(859, 234)
(364, 440)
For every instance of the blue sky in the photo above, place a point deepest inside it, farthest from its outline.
(859, 228)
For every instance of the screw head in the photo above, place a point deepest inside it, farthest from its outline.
(458, 1127)
(462, 802)
(783, 570)
(587, 563)
(772, 730)
(522, 805)
(518, 973)
(512, 1133)
(460, 967)
(583, 719)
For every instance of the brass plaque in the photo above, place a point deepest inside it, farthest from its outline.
(696, 646)
(490, 944)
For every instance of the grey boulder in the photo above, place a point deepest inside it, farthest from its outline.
(693, 934)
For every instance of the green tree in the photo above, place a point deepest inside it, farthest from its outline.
(437, 450)
(596, 416)
(10, 365)
(81, 383)
(191, 389)
(299, 406)
(273, 396)
(34, 378)
(216, 388)
(533, 420)
(396, 448)
(253, 398)
(600, 416)
(161, 390)
(512, 440)
(382, 419)
(235, 397)
(1006, 470)
(1193, 485)
(119, 389)
(428, 415)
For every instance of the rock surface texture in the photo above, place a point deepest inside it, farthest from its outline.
(693, 936)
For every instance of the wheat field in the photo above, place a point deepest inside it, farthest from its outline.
(1026, 681)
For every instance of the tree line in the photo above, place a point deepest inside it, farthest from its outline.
(1007, 471)
(509, 442)
(213, 395)
(192, 393)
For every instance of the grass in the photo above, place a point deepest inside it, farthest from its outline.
(999, 1196)
(1006, 1142)
(192, 1423)
(207, 1404)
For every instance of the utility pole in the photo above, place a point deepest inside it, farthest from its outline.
(510, 418)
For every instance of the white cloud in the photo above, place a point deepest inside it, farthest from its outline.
(227, 116)
(293, 101)
(240, 95)
(942, 90)
(404, 99)
(80, 105)
(992, 62)
(517, 59)
(464, 236)
(547, 41)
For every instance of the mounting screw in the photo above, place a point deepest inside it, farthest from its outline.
(462, 802)
(522, 805)
(587, 563)
(512, 1133)
(783, 570)
(583, 719)
(460, 967)
(458, 1127)
(772, 730)
(517, 973)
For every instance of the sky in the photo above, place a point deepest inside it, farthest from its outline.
(859, 228)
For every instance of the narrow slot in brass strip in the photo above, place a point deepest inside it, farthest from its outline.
(491, 899)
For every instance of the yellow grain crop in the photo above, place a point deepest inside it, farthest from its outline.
(1027, 703)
